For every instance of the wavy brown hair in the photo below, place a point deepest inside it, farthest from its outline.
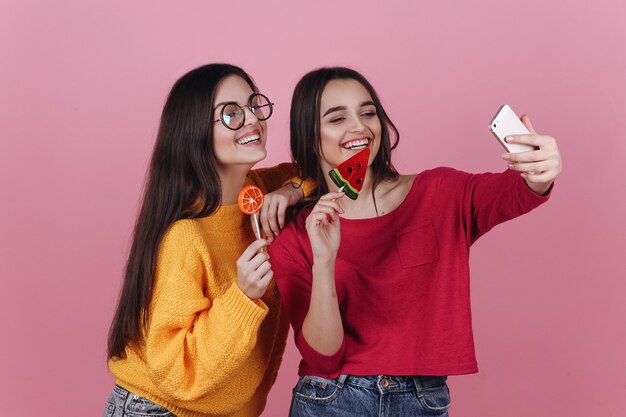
(304, 128)
(182, 172)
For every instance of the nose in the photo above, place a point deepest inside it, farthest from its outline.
(250, 117)
(356, 125)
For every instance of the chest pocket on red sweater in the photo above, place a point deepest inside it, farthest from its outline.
(417, 244)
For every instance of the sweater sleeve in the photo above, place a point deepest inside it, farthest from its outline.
(292, 272)
(489, 199)
(271, 179)
(194, 344)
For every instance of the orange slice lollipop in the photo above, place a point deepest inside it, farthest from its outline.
(250, 199)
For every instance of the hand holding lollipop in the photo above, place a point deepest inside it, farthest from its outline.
(250, 201)
(254, 271)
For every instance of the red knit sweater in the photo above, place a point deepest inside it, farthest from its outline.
(402, 279)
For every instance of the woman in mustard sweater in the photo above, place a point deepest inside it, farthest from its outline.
(199, 328)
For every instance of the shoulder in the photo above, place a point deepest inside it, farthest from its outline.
(290, 252)
(439, 173)
(181, 234)
(446, 177)
(180, 250)
(279, 173)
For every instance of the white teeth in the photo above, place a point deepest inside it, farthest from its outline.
(248, 139)
(359, 143)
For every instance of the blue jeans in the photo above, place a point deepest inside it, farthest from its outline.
(370, 396)
(123, 403)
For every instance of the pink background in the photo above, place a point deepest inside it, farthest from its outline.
(82, 85)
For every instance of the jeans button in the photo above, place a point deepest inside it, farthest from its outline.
(384, 383)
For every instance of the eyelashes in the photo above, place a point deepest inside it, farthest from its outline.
(366, 115)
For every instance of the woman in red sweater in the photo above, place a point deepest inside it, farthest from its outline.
(377, 288)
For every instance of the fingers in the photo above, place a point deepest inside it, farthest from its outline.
(272, 217)
(526, 121)
(265, 279)
(321, 217)
(281, 209)
(546, 177)
(534, 167)
(547, 150)
(263, 218)
(252, 250)
(331, 205)
(257, 261)
(332, 196)
(530, 156)
(532, 140)
(254, 270)
(326, 210)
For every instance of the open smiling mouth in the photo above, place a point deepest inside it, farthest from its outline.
(249, 139)
(356, 144)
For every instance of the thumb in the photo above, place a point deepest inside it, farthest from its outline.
(526, 121)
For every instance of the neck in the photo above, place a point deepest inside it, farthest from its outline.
(232, 178)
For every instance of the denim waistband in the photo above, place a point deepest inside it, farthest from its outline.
(385, 383)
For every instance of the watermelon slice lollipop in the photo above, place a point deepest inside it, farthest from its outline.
(250, 201)
(350, 174)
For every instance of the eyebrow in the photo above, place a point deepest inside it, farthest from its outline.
(338, 108)
(222, 104)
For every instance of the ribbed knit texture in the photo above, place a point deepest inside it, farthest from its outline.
(209, 350)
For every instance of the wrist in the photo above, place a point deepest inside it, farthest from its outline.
(540, 188)
(324, 265)
(298, 192)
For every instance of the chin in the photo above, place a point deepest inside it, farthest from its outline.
(261, 156)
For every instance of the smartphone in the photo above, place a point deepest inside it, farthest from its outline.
(507, 123)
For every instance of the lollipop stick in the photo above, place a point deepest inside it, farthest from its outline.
(257, 227)
(340, 191)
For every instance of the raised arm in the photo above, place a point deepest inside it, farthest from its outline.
(283, 189)
(322, 327)
(308, 287)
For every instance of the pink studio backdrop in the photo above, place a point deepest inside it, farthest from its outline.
(82, 85)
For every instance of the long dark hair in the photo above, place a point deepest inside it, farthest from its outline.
(182, 182)
(304, 128)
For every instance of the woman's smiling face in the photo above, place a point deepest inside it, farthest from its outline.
(348, 122)
(245, 145)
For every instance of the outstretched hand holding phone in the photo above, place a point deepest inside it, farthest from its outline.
(540, 162)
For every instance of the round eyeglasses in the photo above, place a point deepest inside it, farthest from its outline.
(233, 116)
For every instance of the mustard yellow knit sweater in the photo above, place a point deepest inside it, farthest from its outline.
(209, 350)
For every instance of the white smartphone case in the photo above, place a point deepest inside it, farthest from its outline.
(506, 123)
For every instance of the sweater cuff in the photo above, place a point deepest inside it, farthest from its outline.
(240, 309)
(528, 195)
(308, 186)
